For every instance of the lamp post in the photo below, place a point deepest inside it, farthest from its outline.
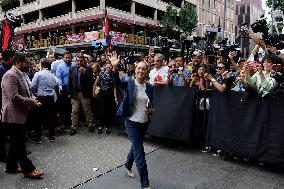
(224, 19)
(272, 16)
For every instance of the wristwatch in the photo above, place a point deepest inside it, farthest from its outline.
(213, 80)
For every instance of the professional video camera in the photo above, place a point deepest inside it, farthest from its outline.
(260, 26)
(132, 57)
(211, 51)
(276, 40)
(15, 21)
(166, 44)
(100, 49)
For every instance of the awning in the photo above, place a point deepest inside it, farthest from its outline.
(63, 23)
(84, 19)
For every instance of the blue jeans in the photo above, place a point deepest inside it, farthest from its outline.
(136, 133)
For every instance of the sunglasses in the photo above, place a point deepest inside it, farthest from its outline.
(220, 68)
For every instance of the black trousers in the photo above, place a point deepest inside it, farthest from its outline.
(3, 138)
(64, 108)
(107, 105)
(17, 150)
(46, 117)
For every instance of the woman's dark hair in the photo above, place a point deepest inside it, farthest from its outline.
(273, 58)
(45, 64)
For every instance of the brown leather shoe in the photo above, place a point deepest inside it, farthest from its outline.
(34, 175)
(17, 170)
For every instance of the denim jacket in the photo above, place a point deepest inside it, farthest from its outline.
(129, 86)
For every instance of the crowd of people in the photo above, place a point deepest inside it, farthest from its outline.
(56, 93)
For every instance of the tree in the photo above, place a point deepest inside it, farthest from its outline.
(188, 18)
(9, 4)
(6, 2)
(278, 4)
(169, 19)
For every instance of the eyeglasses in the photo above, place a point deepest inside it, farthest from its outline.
(220, 68)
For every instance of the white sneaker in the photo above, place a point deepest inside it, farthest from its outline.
(217, 153)
(206, 149)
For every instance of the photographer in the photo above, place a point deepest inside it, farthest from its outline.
(262, 80)
(195, 61)
(179, 76)
(268, 48)
(219, 80)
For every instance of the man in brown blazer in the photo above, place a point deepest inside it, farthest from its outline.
(16, 102)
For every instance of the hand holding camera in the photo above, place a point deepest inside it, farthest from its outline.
(208, 76)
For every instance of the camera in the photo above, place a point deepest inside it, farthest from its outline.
(166, 44)
(243, 29)
(15, 21)
(100, 49)
(260, 26)
(131, 58)
(231, 75)
(276, 40)
(174, 71)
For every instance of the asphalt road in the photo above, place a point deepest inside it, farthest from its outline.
(92, 161)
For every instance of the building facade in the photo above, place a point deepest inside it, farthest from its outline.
(211, 14)
(247, 11)
(41, 18)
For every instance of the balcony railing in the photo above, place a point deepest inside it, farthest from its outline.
(92, 11)
(120, 13)
(87, 12)
(162, 5)
(153, 3)
(42, 23)
(145, 20)
(48, 3)
(26, 8)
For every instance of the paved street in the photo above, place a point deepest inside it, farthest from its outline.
(88, 160)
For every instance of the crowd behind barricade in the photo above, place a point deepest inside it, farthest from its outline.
(76, 90)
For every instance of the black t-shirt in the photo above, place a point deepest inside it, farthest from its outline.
(227, 81)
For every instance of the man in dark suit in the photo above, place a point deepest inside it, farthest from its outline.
(5, 65)
(17, 99)
(80, 88)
